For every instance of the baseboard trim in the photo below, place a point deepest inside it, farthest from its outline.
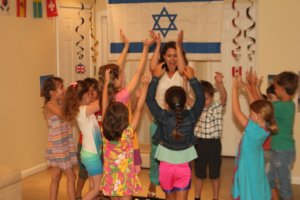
(296, 180)
(34, 170)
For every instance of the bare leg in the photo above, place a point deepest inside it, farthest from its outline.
(71, 178)
(216, 187)
(170, 196)
(55, 179)
(181, 195)
(151, 190)
(80, 185)
(198, 187)
(94, 188)
(275, 194)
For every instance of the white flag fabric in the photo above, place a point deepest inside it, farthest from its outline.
(201, 21)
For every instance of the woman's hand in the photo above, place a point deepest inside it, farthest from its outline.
(179, 39)
(158, 71)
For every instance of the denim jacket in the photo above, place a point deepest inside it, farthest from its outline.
(167, 119)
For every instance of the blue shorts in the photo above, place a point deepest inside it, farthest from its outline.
(92, 162)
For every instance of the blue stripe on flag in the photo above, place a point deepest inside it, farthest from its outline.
(155, 1)
(189, 47)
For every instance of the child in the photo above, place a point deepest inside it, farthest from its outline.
(282, 143)
(78, 106)
(208, 130)
(250, 180)
(120, 93)
(60, 154)
(82, 173)
(175, 133)
(120, 180)
(173, 56)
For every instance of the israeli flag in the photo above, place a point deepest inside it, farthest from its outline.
(201, 21)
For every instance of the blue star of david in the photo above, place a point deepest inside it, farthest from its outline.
(164, 13)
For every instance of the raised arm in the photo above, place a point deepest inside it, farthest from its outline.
(254, 84)
(220, 87)
(155, 57)
(141, 101)
(236, 108)
(152, 104)
(189, 97)
(123, 55)
(54, 109)
(131, 86)
(198, 105)
(181, 61)
(105, 92)
(246, 87)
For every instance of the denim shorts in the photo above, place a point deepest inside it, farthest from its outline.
(280, 172)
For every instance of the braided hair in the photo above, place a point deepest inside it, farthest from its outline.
(175, 97)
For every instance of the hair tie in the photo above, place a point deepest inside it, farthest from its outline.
(74, 84)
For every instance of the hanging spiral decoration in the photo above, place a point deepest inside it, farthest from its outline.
(252, 40)
(95, 41)
(80, 68)
(4, 5)
(236, 52)
(81, 49)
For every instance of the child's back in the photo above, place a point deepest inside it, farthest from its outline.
(282, 142)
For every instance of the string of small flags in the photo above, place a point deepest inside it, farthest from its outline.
(37, 7)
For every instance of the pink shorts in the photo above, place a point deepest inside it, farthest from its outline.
(174, 177)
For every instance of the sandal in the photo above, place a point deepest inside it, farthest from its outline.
(151, 194)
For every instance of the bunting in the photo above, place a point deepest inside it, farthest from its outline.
(21, 8)
(37, 9)
(51, 8)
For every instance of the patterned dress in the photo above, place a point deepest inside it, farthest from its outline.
(119, 176)
(60, 148)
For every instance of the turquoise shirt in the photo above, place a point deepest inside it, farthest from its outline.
(175, 157)
(284, 116)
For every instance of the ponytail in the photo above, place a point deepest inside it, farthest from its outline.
(272, 125)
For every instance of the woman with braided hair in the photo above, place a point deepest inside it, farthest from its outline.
(175, 133)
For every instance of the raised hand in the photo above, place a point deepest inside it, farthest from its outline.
(180, 38)
(189, 72)
(156, 37)
(158, 71)
(148, 41)
(107, 76)
(146, 78)
(125, 40)
(218, 77)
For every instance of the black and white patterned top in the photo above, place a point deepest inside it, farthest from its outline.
(210, 123)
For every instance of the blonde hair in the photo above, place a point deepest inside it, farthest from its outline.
(266, 110)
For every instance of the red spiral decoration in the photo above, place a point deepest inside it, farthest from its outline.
(252, 40)
(236, 52)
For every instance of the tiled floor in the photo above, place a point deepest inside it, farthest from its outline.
(36, 187)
